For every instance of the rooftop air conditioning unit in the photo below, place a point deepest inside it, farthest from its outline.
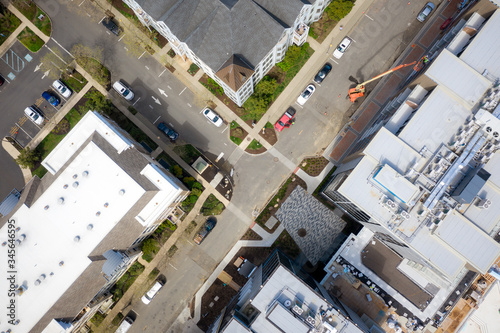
(310, 320)
(488, 129)
(496, 135)
(297, 309)
(405, 215)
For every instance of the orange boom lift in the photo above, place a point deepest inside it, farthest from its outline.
(359, 90)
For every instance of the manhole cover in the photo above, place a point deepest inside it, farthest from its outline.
(268, 181)
(276, 159)
(302, 232)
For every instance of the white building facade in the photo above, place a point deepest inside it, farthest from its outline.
(235, 42)
(77, 228)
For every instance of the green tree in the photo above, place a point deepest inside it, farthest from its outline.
(96, 101)
(291, 58)
(255, 106)
(338, 9)
(177, 171)
(189, 181)
(28, 158)
(266, 87)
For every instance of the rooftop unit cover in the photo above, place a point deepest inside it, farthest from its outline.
(394, 183)
(470, 186)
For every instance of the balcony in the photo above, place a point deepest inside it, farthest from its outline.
(300, 34)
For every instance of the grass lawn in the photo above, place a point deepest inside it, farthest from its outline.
(268, 125)
(254, 145)
(37, 16)
(29, 39)
(188, 153)
(75, 81)
(212, 206)
(53, 139)
(236, 133)
(287, 77)
(126, 280)
(237, 141)
(8, 24)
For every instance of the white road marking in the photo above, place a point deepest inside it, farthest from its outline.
(156, 120)
(189, 242)
(81, 3)
(150, 106)
(171, 125)
(225, 143)
(299, 105)
(55, 54)
(301, 132)
(353, 40)
(37, 67)
(225, 129)
(25, 131)
(334, 61)
(136, 101)
(369, 17)
(162, 72)
(88, 15)
(141, 55)
(189, 104)
(157, 100)
(125, 48)
(169, 87)
(182, 91)
(172, 266)
(102, 19)
(162, 92)
(121, 37)
(109, 33)
(72, 56)
(147, 67)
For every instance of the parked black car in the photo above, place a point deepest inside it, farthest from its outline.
(111, 25)
(170, 133)
(323, 73)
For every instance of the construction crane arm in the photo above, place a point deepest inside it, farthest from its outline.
(359, 90)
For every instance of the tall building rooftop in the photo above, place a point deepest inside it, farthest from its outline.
(89, 203)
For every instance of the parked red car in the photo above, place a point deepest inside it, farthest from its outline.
(285, 120)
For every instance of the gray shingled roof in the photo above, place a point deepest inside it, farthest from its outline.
(216, 29)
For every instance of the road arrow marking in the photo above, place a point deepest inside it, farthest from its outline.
(157, 101)
(45, 74)
(38, 67)
(162, 92)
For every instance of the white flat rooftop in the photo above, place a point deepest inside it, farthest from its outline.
(436, 121)
(457, 77)
(485, 318)
(472, 243)
(484, 50)
(395, 183)
(90, 123)
(67, 232)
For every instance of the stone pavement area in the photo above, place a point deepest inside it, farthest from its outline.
(311, 224)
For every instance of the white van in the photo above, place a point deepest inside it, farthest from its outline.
(123, 90)
(148, 297)
(125, 325)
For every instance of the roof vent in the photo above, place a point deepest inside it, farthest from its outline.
(75, 184)
(98, 214)
(51, 273)
(65, 186)
(76, 239)
(46, 207)
(75, 176)
(85, 173)
(42, 277)
(20, 239)
(4, 243)
(90, 227)
(60, 201)
(37, 282)
(122, 192)
(288, 303)
(488, 129)
(61, 263)
(495, 135)
(106, 205)
(18, 228)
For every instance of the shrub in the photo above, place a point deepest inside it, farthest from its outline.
(338, 9)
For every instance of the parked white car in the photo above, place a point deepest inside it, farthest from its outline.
(306, 94)
(33, 115)
(213, 117)
(123, 90)
(342, 47)
(148, 297)
(62, 89)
